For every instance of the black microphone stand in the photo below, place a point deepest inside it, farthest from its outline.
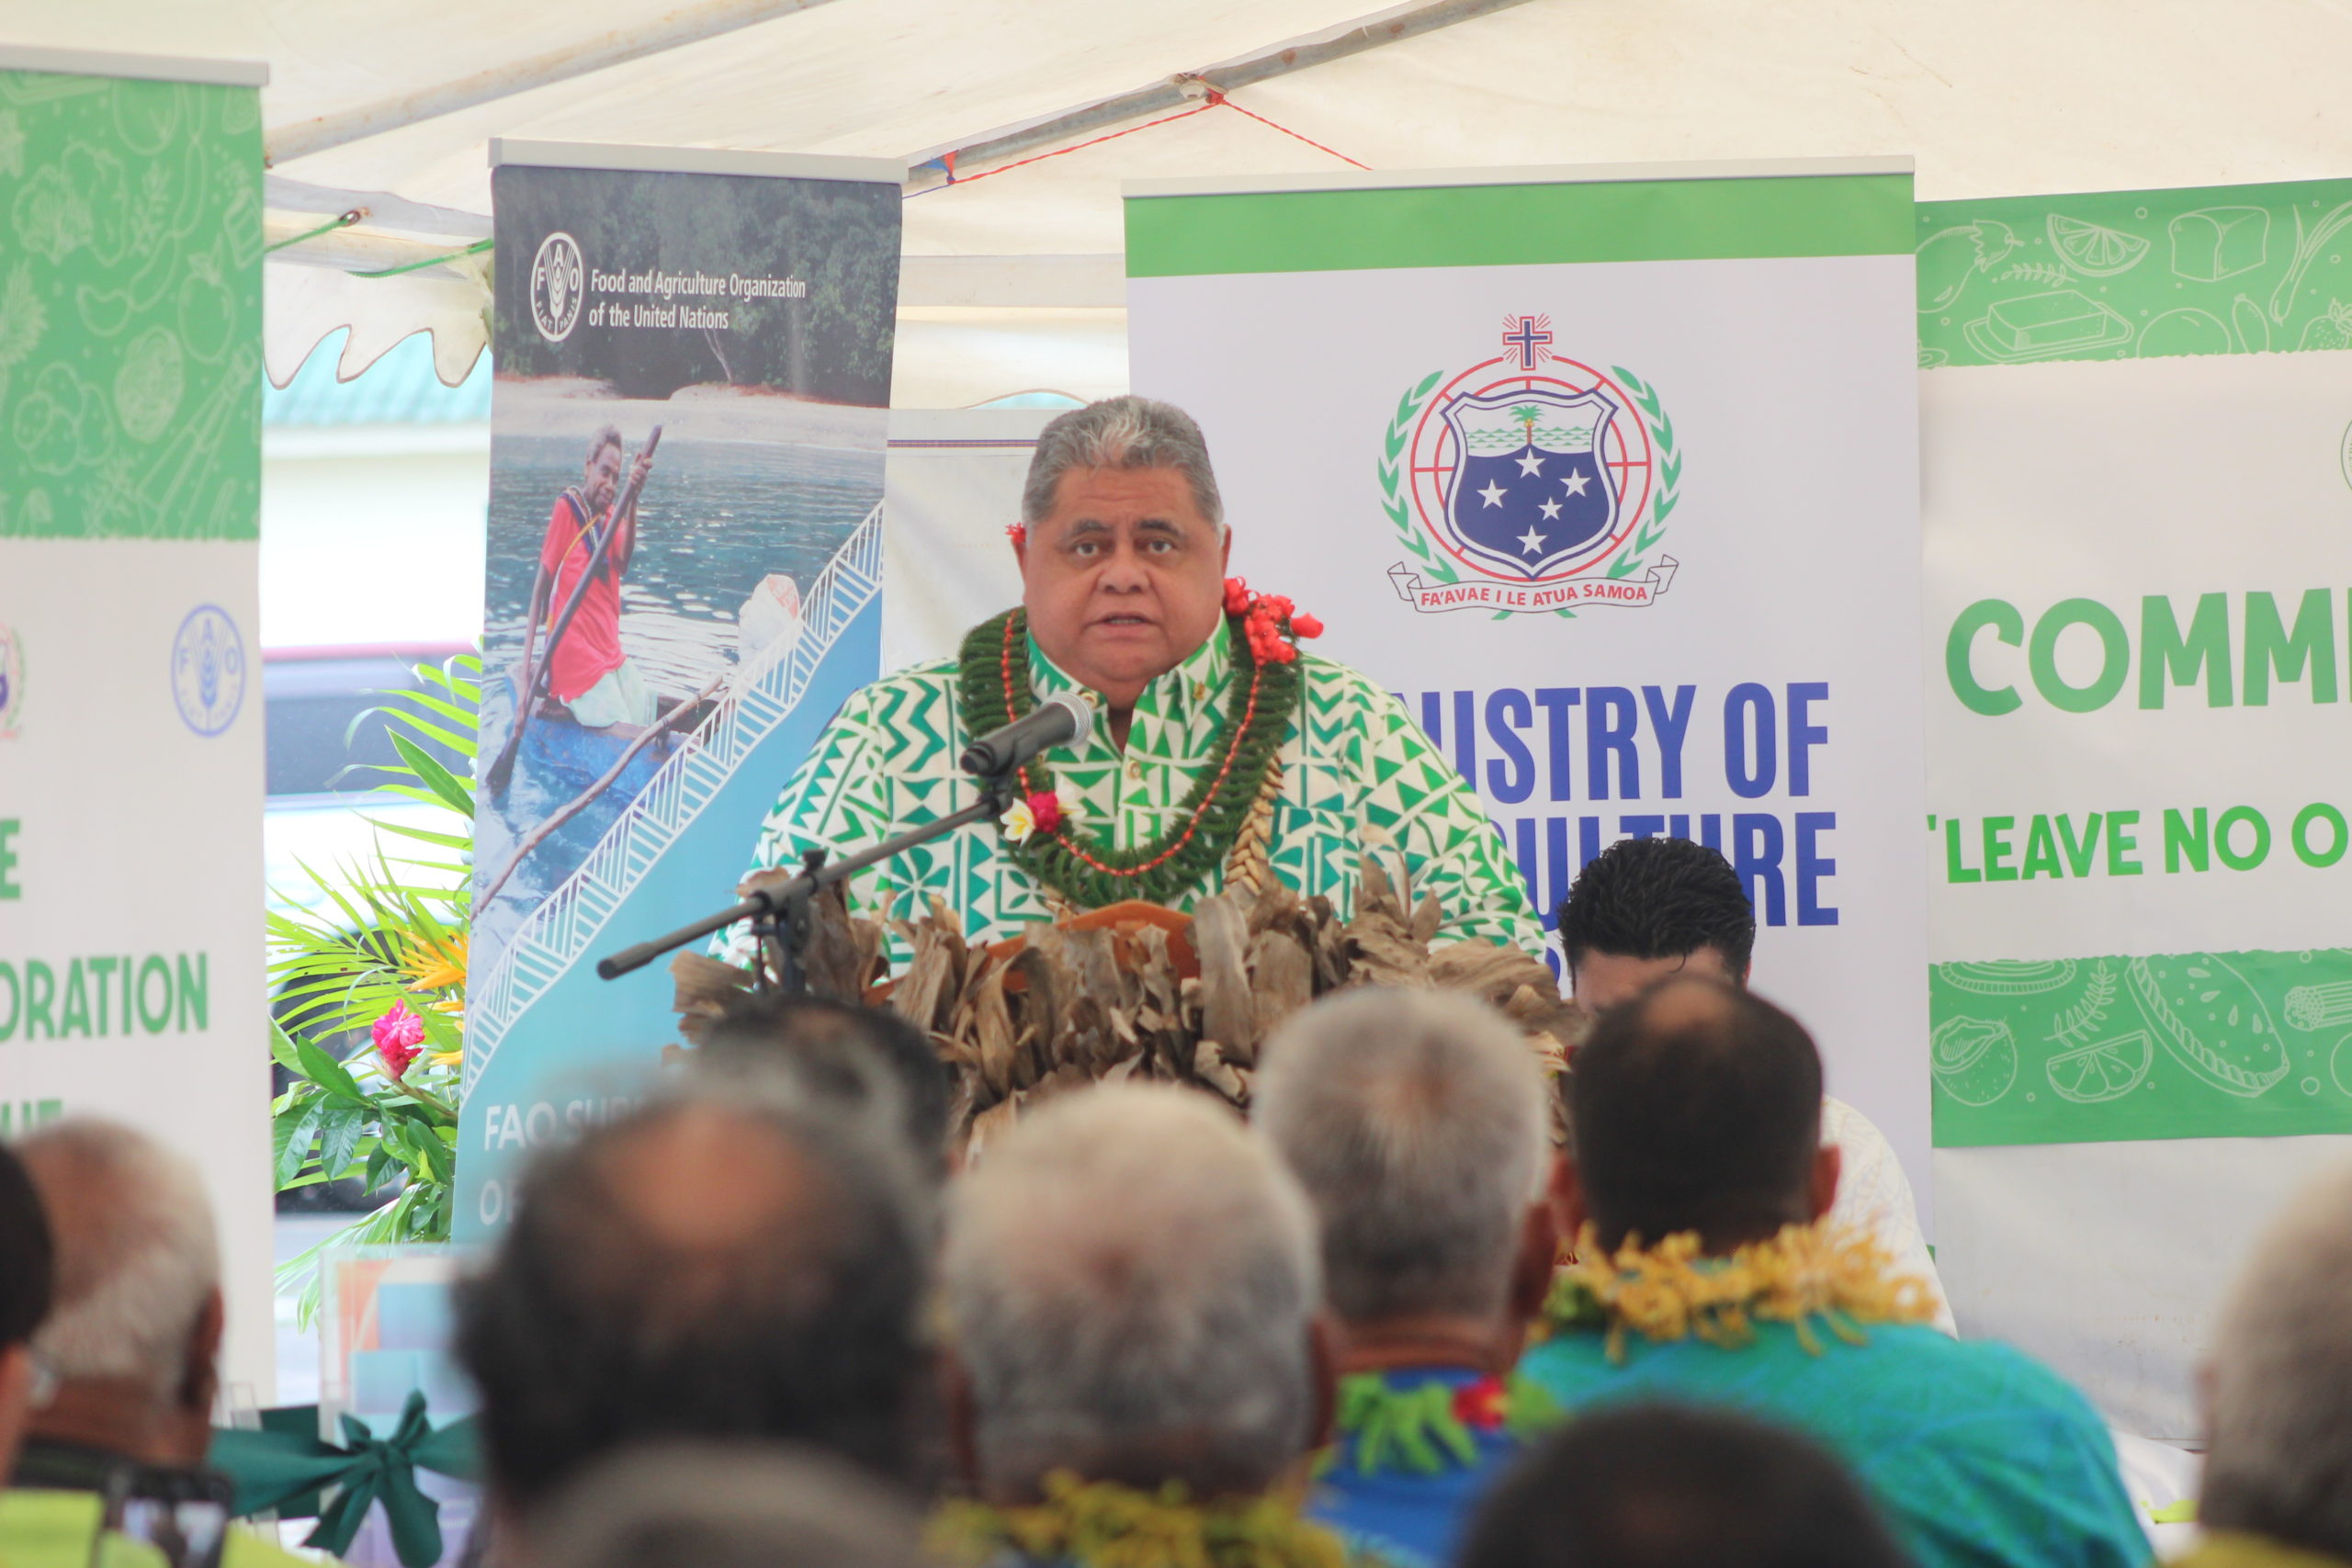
(779, 915)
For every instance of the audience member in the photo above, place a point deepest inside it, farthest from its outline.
(1667, 1486)
(860, 1056)
(1694, 1116)
(2278, 1489)
(710, 1266)
(132, 1340)
(1645, 909)
(25, 1267)
(1418, 1124)
(1130, 1284)
(728, 1506)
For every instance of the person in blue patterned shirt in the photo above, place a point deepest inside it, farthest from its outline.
(1416, 1123)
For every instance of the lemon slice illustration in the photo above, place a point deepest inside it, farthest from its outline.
(2093, 249)
(2106, 1069)
(1974, 1059)
(2009, 976)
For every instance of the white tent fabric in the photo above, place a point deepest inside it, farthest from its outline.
(2000, 97)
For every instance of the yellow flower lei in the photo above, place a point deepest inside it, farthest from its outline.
(1671, 1292)
(1101, 1524)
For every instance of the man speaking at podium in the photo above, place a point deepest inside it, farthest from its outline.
(1220, 751)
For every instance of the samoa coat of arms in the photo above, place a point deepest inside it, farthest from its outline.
(1530, 483)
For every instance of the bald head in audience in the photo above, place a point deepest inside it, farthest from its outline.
(134, 1337)
(713, 1266)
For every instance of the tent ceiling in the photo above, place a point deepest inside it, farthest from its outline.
(1997, 98)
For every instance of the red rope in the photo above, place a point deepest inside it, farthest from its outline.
(1286, 130)
(1215, 100)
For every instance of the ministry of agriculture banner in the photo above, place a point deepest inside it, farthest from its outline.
(687, 438)
(2137, 429)
(130, 692)
(1613, 474)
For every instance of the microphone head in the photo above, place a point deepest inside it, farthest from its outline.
(1081, 711)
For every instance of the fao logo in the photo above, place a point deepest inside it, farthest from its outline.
(209, 669)
(558, 278)
(1530, 483)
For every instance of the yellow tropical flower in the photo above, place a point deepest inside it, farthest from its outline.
(433, 966)
(445, 1058)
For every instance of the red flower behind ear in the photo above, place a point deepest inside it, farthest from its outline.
(1236, 595)
(1018, 533)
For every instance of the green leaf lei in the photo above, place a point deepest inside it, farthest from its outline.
(992, 685)
(1419, 1431)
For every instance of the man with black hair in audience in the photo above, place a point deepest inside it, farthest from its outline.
(863, 1056)
(1645, 909)
(1676, 1486)
(1697, 1183)
(721, 1263)
(26, 1261)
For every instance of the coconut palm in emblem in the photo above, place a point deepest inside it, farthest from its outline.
(1529, 490)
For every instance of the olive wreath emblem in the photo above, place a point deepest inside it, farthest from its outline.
(1653, 529)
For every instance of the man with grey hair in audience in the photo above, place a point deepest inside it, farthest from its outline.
(1207, 718)
(1130, 1286)
(1416, 1123)
(2278, 1386)
(132, 1342)
(741, 1505)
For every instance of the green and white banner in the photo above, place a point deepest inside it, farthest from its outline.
(130, 701)
(1611, 474)
(2137, 444)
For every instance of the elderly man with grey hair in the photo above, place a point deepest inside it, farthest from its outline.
(1208, 717)
(1418, 1124)
(2278, 1487)
(132, 1342)
(1130, 1287)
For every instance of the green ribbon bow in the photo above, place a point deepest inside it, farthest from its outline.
(287, 1467)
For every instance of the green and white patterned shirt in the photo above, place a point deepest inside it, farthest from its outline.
(1357, 774)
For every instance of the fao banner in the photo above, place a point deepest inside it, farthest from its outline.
(684, 556)
(131, 974)
(2137, 420)
(1611, 474)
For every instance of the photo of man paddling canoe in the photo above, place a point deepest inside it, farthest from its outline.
(592, 533)
(675, 461)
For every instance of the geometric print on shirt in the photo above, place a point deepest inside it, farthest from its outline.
(1357, 773)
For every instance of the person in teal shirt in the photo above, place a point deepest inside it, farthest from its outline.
(1694, 1113)
(1418, 1124)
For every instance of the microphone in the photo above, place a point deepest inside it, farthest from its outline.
(1062, 719)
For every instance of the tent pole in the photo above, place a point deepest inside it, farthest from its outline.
(1392, 25)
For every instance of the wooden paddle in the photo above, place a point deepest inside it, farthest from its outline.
(502, 770)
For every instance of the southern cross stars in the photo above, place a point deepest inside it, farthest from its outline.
(1575, 482)
(1551, 510)
(1493, 493)
(1529, 463)
(1533, 540)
